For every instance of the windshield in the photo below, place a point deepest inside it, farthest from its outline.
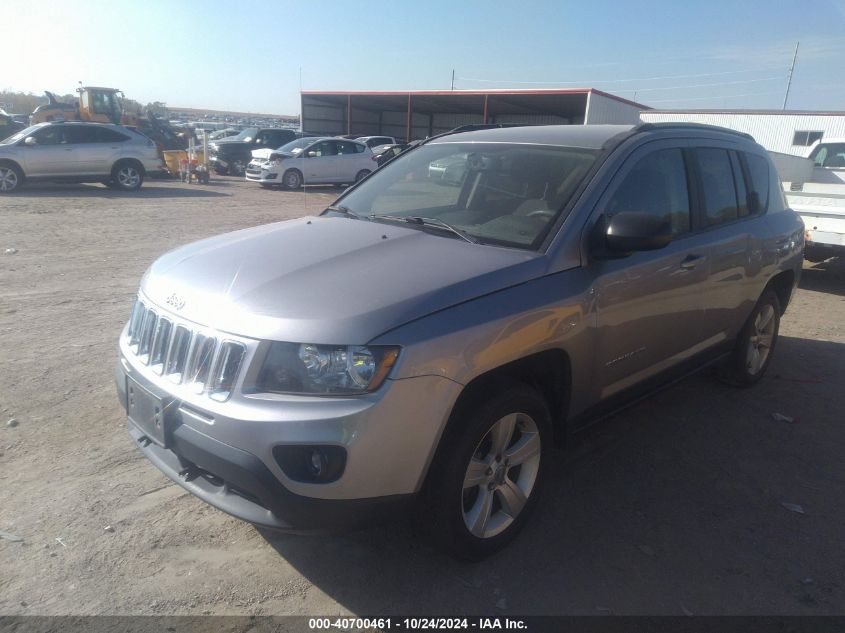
(245, 135)
(14, 138)
(497, 193)
(294, 147)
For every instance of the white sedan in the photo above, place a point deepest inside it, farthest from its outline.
(311, 161)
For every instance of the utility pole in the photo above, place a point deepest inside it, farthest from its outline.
(789, 80)
(453, 79)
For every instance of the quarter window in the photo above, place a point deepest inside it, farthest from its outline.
(758, 194)
(657, 184)
(717, 179)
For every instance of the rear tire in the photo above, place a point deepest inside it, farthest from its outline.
(127, 175)
(362, 174)
(292, 179)
(487, 476)
(11, 177)
(755, 344)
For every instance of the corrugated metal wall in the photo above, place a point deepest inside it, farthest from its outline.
(775, 132)
(600, 109)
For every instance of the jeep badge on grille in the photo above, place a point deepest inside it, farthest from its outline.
(175, 301)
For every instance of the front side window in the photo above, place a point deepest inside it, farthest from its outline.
(53, 135)
(497, 193)
(657, 184)
(717, 180)
(346, 147)
(323, 148)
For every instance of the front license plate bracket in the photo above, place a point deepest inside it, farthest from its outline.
(148, 412)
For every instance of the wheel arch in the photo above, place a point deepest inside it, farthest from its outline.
(782, 285)
(129, 159)
(549, 372)
(8, 162)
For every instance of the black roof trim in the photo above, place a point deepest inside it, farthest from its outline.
(671, 125)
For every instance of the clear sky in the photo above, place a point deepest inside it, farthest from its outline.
(243, 56)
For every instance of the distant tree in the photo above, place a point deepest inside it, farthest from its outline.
(158, 108)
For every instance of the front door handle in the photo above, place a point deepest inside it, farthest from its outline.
(691, 261)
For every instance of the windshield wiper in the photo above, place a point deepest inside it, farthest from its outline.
(339, 208)
(434, 222)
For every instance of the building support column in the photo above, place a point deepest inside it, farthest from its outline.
(408, 121)
(486, 97)
(349, 114)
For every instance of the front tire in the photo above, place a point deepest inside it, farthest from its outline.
(11, 177)
(127, 175)
(755, 344)
(486, 480)
(292, 179)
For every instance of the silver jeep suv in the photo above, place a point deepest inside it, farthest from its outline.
(77, 152)
(430, 342)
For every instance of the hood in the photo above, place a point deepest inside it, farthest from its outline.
(225, 146)
(328, 279)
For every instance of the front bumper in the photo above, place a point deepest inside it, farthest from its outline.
(265, 175)
(223, 452)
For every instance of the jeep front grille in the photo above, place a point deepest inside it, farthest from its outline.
(184, 356)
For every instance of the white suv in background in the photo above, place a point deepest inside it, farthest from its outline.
(312, 161)
(77, 152)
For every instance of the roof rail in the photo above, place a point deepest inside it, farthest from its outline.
(672, 125)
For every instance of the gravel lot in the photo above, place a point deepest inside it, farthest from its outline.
(674, 506)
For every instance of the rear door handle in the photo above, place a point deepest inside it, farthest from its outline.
(691, 261)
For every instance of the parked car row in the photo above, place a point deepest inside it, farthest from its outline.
(115, 155)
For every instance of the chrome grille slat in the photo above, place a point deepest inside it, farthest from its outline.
(160, 345)
(177, 357)
(194, 358)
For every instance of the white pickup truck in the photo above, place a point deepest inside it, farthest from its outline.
(819, 197)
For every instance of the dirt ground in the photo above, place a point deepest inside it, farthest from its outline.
(674, 506)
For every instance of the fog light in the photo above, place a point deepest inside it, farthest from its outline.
(311, 464)
(317, 462)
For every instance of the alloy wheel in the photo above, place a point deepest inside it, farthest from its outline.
(501, 474)
(760, 340)
(8, 179)
(128, 177)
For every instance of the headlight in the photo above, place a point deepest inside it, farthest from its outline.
(325, 369)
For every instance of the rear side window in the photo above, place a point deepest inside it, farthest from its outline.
(105, 135)
(658, 185)
(758, 174)
(717, 179)
(345, 147)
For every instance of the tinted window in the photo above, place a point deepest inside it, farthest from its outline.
(758, 173)
(105, 135)
(93, 134)
(658, 185)
(742, 197)
(717, 180)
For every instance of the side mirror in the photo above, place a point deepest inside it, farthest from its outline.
(632, 231)
(30, 140)
(311, 154)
